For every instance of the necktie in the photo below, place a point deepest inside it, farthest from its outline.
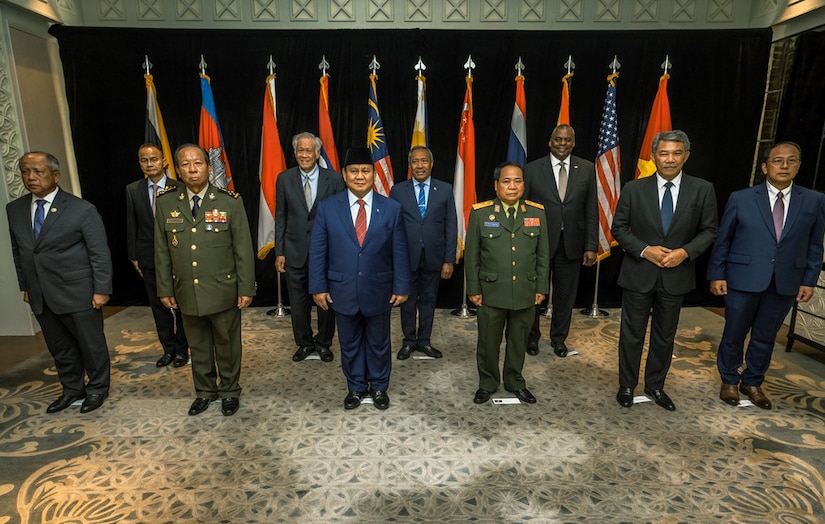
(307, 192)
(422, 204)
(667, 207)
(195, 206)
(779, 214)
(154, 197)
(361, 222)
(39, 217)
(562, 180)
(511, 216)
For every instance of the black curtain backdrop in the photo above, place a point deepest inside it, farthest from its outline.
(716, 92)
(802, 117)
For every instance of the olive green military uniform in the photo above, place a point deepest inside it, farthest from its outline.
(206, 263)
(507, 264)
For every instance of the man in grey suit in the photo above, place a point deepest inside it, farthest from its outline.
(663, 223)
(566, 186)
(297, 193)
(428, 208)
(65, 273)
(141, 197)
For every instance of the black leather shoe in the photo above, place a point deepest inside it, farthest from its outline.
(482, 396)
(429, 351)
(560, 349)
(180, 361)
(325, 354)
(533, 347)
(165, 360)
(62, 402)
(354, 399)
(524, 395)
(625, 397)
(405, 352)
(92, 402)
(302, 353)
(661, 398)
(380, 399)
(229, 406)
(199, 405)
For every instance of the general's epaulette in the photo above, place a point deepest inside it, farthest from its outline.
(228, 192)
(486, 203)
(167, 189)
(534, 204)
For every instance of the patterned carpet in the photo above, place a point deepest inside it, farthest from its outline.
(293, 454)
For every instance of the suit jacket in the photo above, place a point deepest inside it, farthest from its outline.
(436, 232)
(140, 222)
(293, 221)
(579, 212)
(637, 223)
(205, 263)
(506, 265)
(747, 254)
(69, 261)
(359, 278)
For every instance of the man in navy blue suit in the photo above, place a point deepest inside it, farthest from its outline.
(428, 208)
(359, 266)
(768, 255)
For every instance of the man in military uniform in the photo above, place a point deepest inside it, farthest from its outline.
(507, 268)
(204, 263)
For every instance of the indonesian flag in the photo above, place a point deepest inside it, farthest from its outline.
(608, 167)
(377, 142)
(272, 163)
(155, 131)
(564, 110)
(211, 139)
(517, 144)
(464, 184)
(659, 121)
(419, 133)
(329, 155)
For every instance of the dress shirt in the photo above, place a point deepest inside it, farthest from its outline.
(161, 185)
(426, 190)
(674, 190)
(313, 180)
(353, 206)
(202, 194)
(507, 210)
(555, 164)
(786, 196)
(48, 198)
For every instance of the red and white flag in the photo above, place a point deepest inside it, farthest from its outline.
(464, 183)
(272, 163)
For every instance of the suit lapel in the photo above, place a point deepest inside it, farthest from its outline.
(554, 188)
(414, 197)
(797, 202)
(763, 204)
(651, 194)
(51, 218)
(345, 217)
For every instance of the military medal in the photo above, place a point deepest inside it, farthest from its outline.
(174, 240)
(492, 217)
(181, 196)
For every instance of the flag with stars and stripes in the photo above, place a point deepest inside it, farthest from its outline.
(377, 142)
(608, 167)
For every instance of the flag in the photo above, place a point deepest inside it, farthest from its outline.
(608, 167)
(517, 145)
(419, 133)
(464, 183)
(377, 142)
(564, 110)
(272, 163)
(659, 121)
(155, 132)
(329, 155)
(211, 139)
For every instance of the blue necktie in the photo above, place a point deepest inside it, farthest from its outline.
(39, 217)
(422, 204)
(667, 207)
(195, 206)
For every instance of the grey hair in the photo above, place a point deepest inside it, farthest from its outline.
(51, 161)
(304, 135)
(677, 135)
(419, 148)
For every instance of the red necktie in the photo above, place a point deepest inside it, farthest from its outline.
(361, 222)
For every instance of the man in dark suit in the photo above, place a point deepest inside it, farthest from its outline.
(141, 197)
(663, 223)
(566, 186)
(359, 266)
(768, 254)
(297, 194)
(65, 273)
(204, 262)
(507, 266)
(428, 208)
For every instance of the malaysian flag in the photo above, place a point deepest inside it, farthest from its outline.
(377, 142)
(608, 167)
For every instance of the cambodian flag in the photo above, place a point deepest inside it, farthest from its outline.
(211, 139)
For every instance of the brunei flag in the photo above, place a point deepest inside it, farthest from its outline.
(272, 164)
(155, 131)
(211, 139)
(377, 142)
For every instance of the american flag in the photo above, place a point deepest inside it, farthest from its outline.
(608, 167)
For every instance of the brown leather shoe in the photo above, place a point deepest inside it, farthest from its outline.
(756, 396)
(730, 394)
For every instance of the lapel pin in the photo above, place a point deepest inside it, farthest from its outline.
(175, 213)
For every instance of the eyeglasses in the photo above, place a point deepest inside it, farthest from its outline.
(780, 161)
